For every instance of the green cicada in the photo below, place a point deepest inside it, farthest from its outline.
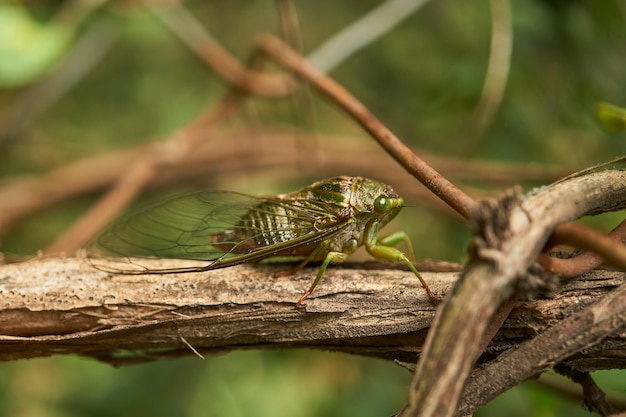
(324, 222)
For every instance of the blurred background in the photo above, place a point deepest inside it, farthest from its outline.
(492, 94)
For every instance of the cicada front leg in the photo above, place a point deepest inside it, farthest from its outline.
(383, 250)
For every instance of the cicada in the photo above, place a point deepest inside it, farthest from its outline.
(324, 222)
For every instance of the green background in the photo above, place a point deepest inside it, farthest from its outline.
(422, 80)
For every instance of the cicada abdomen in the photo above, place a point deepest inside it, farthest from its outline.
(275, 223)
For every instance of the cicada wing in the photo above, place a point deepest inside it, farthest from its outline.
(177, 228)
(203, 226)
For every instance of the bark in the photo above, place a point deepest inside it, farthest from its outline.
(65, 306)
(509, 233)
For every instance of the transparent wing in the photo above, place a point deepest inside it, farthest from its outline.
(207, 226)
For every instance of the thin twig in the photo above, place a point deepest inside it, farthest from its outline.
(600, 246)
(571, 391)
(141, 172)
(497, 72)
(362, 32)
(199, 40)
(440, 186)
(289, 24)
(594, 398)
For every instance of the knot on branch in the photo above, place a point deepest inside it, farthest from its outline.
(490, 223)
(492, 227)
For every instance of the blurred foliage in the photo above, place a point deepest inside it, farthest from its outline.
(272, 383)
(27, 48)
(613, 118)
(423, 80)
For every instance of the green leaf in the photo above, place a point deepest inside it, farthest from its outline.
(27, 48)
(612, 117)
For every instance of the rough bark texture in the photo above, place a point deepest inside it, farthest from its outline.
(64, 306)
(509, 234)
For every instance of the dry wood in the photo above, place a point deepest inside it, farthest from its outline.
(64, 306)
(509, 233)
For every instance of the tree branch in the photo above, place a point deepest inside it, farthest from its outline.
(65, 306)
(509, 233)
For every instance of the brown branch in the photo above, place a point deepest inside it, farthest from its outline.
(64, 306)
(582, 330)
(610, 247)
(198, 39)
(509, 234)
(435, 182)
(594, 398)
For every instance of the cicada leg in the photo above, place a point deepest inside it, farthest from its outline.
(316, 254)
(334, 257)
(395, 238)
(382, 249)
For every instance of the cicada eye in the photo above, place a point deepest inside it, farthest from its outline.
(382, 204)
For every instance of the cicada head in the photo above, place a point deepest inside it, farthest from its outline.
(376, 198)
